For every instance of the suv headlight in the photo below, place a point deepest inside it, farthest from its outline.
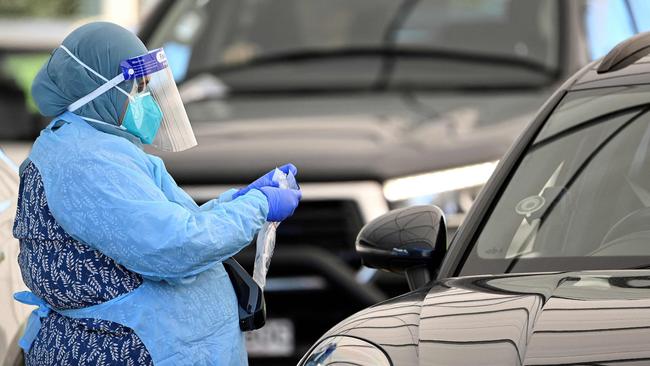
(453, 190)
(344, 350)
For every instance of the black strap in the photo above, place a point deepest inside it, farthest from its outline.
(250, 298)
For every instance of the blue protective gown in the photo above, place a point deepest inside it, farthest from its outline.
(125, 266)
(106, 193)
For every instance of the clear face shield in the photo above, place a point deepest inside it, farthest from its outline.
(155, 112)
(152, 78)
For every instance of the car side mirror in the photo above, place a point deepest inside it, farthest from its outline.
(410, 240)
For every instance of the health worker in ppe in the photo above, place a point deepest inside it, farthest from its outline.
(123, 266)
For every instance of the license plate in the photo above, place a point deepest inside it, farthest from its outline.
(274, 339)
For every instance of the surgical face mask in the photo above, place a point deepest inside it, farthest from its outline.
(142, 118)
(155, 113)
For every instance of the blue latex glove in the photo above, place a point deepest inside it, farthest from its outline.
(282, 202)
(266, 180)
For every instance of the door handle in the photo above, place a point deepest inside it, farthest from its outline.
(2, 255)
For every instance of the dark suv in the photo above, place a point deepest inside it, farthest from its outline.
(550, 267)
(380, 103)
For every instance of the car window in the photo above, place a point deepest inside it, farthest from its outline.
(580, 198)
(200, 35)
(524, 29)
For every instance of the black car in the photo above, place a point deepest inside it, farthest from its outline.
(552, 263)
(369, 98)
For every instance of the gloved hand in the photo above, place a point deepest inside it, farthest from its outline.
(266, 180)
(282, 202)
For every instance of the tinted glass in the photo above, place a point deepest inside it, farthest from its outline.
(200, 35)
(580, 198)
(522, 29)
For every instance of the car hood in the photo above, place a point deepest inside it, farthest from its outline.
(542, 319)
(349, 137)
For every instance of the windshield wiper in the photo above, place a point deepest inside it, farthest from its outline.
(386, 53)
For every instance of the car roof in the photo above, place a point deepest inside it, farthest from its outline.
(634, 74)
(626, 64)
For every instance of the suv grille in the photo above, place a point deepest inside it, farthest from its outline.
(331, 225)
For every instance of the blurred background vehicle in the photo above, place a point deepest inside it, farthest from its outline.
(381, 104)
(356, 91)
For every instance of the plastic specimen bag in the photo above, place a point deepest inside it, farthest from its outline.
(266, 236)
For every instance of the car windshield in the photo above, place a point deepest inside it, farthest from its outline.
(580, 197)
(315, 44)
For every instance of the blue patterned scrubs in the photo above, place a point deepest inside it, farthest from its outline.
(68, 274)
